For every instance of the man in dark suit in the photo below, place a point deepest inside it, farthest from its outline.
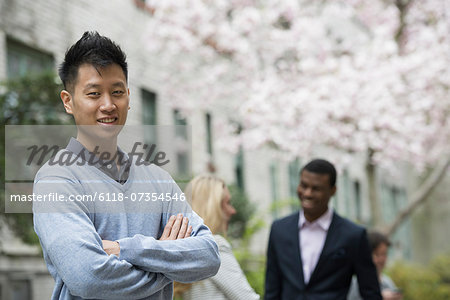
(314, 253)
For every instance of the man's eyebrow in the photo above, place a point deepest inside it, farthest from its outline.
(91, 86)
(95, 85)
(119, 84)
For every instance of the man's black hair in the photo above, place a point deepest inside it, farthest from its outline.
(376, 239)
(322, 166)
(92, 49)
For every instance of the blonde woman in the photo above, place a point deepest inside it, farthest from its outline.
(210, 198)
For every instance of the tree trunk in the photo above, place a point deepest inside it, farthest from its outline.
(420, 196)
(374, 202)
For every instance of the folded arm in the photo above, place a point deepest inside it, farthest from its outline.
(176, 228)
(184, 260)
(74, 248)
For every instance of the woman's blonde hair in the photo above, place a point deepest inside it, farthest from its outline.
(205, 193)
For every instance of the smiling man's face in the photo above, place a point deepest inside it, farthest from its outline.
(314, 191)
(100, 97)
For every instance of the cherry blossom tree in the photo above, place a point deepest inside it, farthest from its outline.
(358, 76)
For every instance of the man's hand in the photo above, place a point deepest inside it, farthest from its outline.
(111, 247)
(176, 228)
(391, 295)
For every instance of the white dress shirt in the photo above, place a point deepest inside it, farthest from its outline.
(312, 237)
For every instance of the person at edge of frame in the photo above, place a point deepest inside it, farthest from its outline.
(116, 250)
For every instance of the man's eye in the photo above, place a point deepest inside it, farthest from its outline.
(118, 92)
(93, 94)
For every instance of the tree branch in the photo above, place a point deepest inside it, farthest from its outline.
(421, 195)
(402, 6)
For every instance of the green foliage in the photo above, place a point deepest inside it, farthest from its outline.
(419, 282)
(254, 268)
(244, 211)
(252, 264)
(290, 204)
(441, 266)
(415, 281)
(242, 227)
(28, 100)
(32, 99)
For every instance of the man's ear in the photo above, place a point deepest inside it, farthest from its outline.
(66, 99)
(333, 190)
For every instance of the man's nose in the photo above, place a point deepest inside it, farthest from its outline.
(107, 104)
(307, 192)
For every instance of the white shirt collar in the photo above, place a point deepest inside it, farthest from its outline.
(324, 221)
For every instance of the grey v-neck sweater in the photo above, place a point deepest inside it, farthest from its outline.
(96, 207)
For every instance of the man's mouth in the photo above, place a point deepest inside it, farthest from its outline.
(107, 120)
(307, 203)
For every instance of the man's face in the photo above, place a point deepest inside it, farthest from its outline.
(314, 191)
(100, 97)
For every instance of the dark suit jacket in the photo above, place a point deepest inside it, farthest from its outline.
(345, 252)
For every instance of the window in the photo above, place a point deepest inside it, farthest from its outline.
(181, 135)
(357, 197)
(294, 179)
(239, 164)
(239, 169)
(209, 146)
(148, 107)
(396, 195)
(23, 60)
(395, 198)
(345, 195)
(20, 290)
(274, 188)
(149, 116)
(180, 121)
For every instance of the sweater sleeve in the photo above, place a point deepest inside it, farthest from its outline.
(185, 260)
(74, 248)
(230, 279)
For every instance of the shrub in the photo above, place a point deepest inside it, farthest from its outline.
(28, 100)
(253, 267)
(244, 212)
(423, 282)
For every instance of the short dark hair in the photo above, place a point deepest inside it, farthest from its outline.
(376, 239)
(321, 166)
(94, 49)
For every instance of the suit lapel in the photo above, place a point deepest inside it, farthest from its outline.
(330, 240)
(297, 261)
